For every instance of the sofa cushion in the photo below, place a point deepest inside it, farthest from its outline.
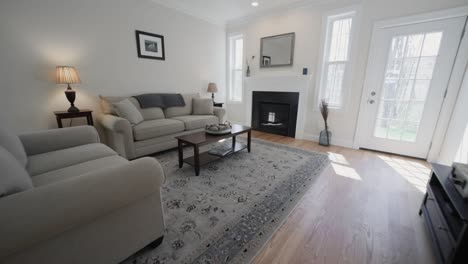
(156, 128)
(12, 144)
(147, 113)
(151, 113)
(128, 110)
(78, 169)
(202, 106)
(197, 121)
(45, 162)
(181, 110)
(14, 177)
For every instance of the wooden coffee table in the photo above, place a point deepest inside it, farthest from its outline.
(199, 139)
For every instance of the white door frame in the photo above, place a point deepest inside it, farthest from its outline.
(454, 84)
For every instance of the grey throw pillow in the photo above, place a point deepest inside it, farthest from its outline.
(202, 106)
(12, 144)
(14, 177)
(128, 110)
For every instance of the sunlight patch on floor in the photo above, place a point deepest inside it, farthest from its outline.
(346, 171)
(414, 172)
(337, 158)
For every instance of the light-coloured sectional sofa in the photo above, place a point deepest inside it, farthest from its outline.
(157, 131)
(83, 202)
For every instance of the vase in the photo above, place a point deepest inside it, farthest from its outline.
(325, 138)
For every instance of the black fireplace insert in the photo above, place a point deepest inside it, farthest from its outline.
(275, 112)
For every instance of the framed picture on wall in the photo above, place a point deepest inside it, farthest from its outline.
(150, 46)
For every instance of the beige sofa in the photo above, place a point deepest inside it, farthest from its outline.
(86, 204)
(157, 131)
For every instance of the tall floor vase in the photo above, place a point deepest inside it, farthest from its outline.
(325, 137)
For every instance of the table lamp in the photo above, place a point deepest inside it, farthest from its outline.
(68, 75)
(212, 88)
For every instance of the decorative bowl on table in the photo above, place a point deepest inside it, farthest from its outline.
(219, 129)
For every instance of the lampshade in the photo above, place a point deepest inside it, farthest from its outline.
(67, 75)
(212, 88)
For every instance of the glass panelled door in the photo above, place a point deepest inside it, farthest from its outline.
(410, 73)
(407, 80)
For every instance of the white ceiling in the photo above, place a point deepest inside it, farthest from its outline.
(224, 11)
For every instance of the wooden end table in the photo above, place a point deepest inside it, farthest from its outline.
(59, 115)
(199, 139)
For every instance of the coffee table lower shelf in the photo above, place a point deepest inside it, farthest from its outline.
(206, 157)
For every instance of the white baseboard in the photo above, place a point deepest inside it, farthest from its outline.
(334, 141)
(307, 136)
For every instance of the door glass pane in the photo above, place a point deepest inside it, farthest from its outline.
(431, 44)
(420, 90)
(387, 109)
(381, 128)
(408, 75)
(393, 68)
(414, 45)
(398, 47)
(426, 67)
(409, 68)
(394, 129)
(405, 86)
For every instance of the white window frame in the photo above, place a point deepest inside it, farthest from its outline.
(327, 22)
(231, 38)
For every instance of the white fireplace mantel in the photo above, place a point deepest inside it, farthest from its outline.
(288, 83)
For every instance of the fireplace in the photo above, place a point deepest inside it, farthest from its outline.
(275, 112)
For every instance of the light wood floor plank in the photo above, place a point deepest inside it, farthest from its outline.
(362, 209)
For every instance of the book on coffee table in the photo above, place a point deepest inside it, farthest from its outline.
(221, 150)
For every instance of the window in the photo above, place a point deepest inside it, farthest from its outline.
(236, 47)
(335, 59)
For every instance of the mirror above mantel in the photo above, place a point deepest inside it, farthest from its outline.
(277, 51)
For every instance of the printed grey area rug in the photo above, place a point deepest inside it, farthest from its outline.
(229, 212)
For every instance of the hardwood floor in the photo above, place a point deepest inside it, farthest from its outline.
(362, 209)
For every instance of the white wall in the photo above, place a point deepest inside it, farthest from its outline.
(98, 38)
(307, 23)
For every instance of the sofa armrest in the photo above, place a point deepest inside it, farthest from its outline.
(44, 212)
(220, 113)
(119, 135)
(56, 139)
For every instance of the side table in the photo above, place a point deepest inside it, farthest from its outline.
(59, 115)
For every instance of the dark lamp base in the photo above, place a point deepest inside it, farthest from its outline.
(73, 109)
(70, 94)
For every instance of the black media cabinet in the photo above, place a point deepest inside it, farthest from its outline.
(446, 215)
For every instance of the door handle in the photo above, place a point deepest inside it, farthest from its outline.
(372, 93)
(371, 101)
